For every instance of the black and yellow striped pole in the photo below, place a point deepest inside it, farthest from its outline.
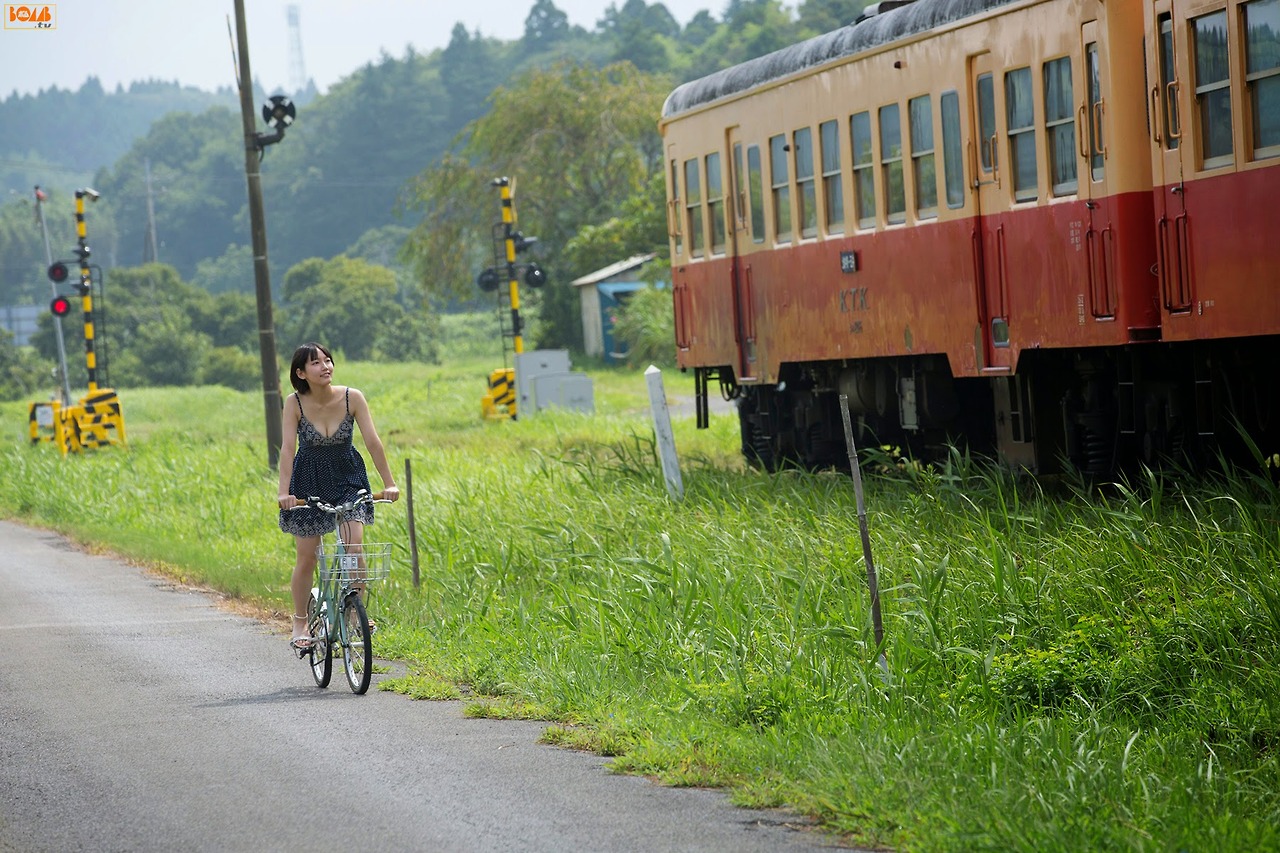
(509, 235)
(86, 287)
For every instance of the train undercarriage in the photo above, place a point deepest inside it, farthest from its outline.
(1097, 411)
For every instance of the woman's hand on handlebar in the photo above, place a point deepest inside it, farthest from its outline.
(288, 501)
(390, 493)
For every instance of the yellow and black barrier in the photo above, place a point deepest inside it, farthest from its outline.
(100, 418)
(96, 421)
(500, 401)
(45, 423)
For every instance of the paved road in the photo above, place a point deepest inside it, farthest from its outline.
(136, 716)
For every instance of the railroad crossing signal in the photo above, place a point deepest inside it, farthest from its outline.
(507, 242)
(97, 419)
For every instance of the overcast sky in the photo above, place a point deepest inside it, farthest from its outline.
(121, 41)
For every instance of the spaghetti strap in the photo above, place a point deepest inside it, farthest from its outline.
(347, 399)
(298, 400)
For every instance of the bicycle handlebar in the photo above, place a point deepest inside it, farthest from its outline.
(315, 503)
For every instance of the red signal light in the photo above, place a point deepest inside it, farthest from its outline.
(60, 306)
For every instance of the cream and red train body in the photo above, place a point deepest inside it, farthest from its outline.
(1131, 313)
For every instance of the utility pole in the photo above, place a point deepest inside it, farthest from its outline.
(261, 273)
(57, 321)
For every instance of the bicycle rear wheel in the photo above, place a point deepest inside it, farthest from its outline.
(321, 654)
(357, 645)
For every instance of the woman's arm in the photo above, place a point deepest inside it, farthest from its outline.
(288, 447)
(360, 408)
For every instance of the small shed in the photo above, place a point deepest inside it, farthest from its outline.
(600, 294)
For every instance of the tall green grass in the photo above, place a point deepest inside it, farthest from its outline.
(1069, 669)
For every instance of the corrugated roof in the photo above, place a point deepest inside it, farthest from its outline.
(862, 35)
(633, 262)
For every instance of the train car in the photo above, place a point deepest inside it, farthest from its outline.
(1048, 229)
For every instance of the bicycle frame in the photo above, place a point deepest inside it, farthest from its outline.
(336, 616)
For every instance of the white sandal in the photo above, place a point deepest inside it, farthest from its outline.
(301, 642)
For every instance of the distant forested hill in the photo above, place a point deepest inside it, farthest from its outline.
(82, 131)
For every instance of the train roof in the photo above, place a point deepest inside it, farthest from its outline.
(862, 35)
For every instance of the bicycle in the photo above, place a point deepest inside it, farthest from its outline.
(343, 571)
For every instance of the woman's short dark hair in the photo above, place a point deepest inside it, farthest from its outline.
(301, 358)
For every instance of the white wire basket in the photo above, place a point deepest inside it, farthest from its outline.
(370, 561)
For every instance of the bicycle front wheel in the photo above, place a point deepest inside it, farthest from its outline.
(357, 645)
(321, 654)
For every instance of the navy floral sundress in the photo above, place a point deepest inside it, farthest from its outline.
(327, 467)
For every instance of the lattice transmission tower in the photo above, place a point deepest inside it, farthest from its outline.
(297, 69)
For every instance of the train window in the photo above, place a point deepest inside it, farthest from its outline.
(1022, 133)
(1097, 142)
(952, 161)
(673, 213)
(781, 185)
(693, 207)
(832, 188)
(1262, 74)
(1213, 88)
(715, 203)
(895, 194)
(739, 190)
(806, 191)
(1060, 124)
(1168, 89)
(988, 157)
(923, 169)
(755, 181)
(864, 188)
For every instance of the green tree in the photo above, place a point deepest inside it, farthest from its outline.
(350, 305)
(645, 328)
(640, 228)
(339, 171)
(751, 28)
(700, 28)
(230, 272)
(229, 319)
(579, 141)
(822, 16)
(643, 34)
(22, 372)
(544, 26)
(165, 350)
(197, 190)
(467, 73)
(156, 329)
(22, 255)
(77, 132)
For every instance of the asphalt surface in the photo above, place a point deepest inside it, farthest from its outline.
(138, 716)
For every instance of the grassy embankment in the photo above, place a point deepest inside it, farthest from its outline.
(1068, 672)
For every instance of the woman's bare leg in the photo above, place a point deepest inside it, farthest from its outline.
(304, 569)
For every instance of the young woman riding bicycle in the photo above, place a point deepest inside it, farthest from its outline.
(319, 421)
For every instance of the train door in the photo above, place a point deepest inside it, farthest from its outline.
(1163, 62)
(988, 233)
(740, 189)
(1100, 201)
